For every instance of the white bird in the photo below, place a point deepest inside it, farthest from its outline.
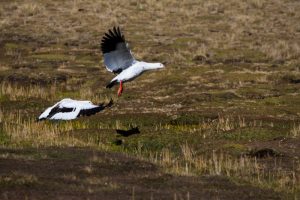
(118, 59)
(68, 109)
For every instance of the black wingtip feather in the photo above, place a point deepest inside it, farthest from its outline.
(119, 32)
(126, 133)
(89, 112)
(38, 120)
(57, 109)
(111, 84)
(110, 39)
(110, 103)
(116, 32)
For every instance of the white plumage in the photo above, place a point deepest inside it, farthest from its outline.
(118, 59)
(68, 109)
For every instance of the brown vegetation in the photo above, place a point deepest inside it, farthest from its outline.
(230, 91)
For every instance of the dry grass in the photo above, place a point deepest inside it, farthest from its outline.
(53, 93)
(217, 127)
(72, 21)
(225, 59)
(17, 92)
(30, 9)
(88, 93)
(295, 131)
(1, 116)
(249, 169)
(282, 50)
(23, 130)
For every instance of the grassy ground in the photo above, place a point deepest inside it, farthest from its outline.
(223, 118)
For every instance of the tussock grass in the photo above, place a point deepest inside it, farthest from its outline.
(88, 93)
(213, 128)
(52, 93)
(282, 50)
(29, 9)
(17, 92)
(217, 163)
(295, 131)
(256, 3)
(24, 131)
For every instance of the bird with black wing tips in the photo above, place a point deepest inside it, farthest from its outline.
(68, 109)
(119, 59)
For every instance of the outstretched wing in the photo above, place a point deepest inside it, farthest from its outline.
(91, 109)
(50, 112)
(117, 55)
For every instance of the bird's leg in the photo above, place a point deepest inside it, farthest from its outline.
(120, 89)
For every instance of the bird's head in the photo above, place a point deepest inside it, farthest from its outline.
(150, 66)
(160, 65)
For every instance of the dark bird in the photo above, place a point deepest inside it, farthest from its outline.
(126, 133)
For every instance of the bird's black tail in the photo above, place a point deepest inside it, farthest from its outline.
(111, 84)
(38, 120)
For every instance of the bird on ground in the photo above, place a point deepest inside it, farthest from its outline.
(68, 109)
(119, 59)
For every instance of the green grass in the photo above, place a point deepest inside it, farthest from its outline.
(51, 57)
(230, 82)
(4, 138)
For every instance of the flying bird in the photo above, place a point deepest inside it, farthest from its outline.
(126, 133)
(119, 59)
(68, 109)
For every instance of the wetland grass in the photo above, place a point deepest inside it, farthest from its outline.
(231, 85)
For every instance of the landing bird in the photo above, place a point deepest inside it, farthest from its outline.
(68, 109)
(119, 60)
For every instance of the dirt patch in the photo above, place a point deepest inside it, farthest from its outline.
(288, 147)
(79, 173)
(265, 152)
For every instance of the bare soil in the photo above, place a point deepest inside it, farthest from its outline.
(83, 173)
